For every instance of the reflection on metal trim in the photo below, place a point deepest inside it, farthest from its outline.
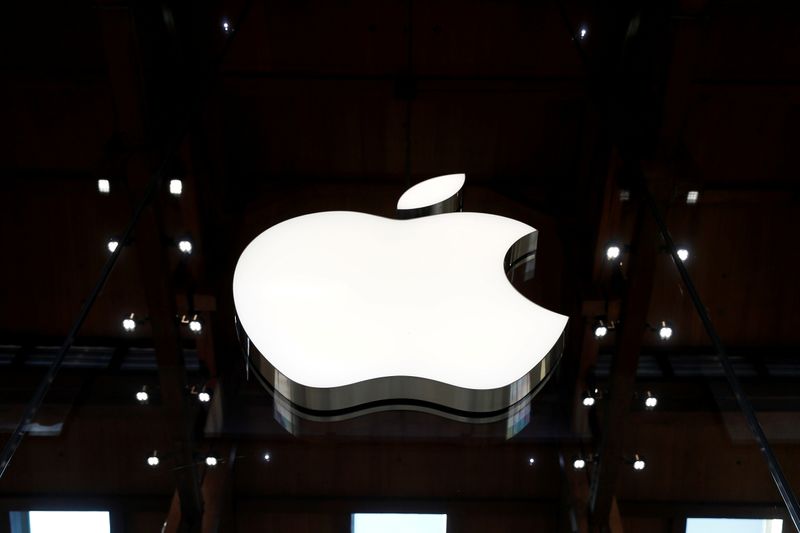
(407, 392)
(451, 205)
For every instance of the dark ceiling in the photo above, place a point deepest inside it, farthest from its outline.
(307, 106)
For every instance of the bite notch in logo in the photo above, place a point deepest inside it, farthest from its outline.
(342, 312)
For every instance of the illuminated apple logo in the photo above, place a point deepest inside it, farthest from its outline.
(343, 312)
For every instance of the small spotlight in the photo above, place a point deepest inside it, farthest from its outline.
(578, 464)
(175, 187)
(531, 461)
(211, 460)
(128, 323)
(600, 329)
(650, 401)
(267, 457)
(226, 26)
(583, 32)
(142, 395)
(588, 399)
(664, 331)
(204, 396)
(692, 197)
(103, 186)
(195, 326)
(612, 252)
(638, 463)
(153, 459)
(185, 246)
(112, 245)
(683, 254)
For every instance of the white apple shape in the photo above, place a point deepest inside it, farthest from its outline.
(344, 311)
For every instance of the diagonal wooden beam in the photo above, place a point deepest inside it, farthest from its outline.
(616, 415)
(177, 413)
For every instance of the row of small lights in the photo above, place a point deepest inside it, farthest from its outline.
(195, 325)
(601, 329)
(129, 322)
(591, 397)
(579, 463)
(203, 395)
(614, 250)
(210, 460)
(175, 189)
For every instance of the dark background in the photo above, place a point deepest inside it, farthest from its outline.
(308, 106)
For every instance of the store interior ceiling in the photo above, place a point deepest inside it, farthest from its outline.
(566, 115)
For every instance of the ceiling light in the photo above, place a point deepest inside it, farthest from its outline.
(153, 459)
(195, 326)
(583, 32)
(600, 329)
(683, 254)
(204, 396)
(650, 401)
(185, 246)
(638, 463)
(624, 195)
(128, 323)
(578, 464)
(142, 395)
(692, 197)
(175, 187)
(612, 252)
(588, 399)
(267, 457)
(226, 26)
(211, 460)
(664, 331)
(531, 461)
(112, 245)
(104, 186)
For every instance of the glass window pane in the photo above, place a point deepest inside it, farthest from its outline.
(70, 522)
(399, 523)
(733, 525)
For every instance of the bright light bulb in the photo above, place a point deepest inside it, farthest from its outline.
(267, 457)
(195, 326)
(638, 464)
(531, 461)
(211, 460)
(583, 32)
(104, 186)
(650, 402)
(128, 324)
(579, 464)
(665, 332)
(142, 396)
(185, 246)
(692, 197)
(153, 460)
(175, 187)
(683, 254)
(588, 401)
(600, 331)
(612, 252)
(204, 397)
(226, 26)
(112, 245)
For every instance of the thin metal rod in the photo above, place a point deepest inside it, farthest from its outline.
(746, 407)
(35, 402)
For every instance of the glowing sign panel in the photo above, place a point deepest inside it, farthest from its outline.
(342, 309)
